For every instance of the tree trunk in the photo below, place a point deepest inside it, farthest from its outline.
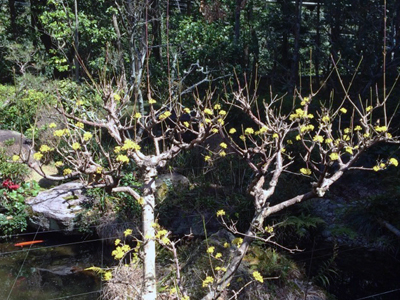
(296, 51)
(149, 247)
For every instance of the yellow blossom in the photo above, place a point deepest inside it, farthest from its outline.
(207, 120)
(127, 232)
(328, 141)
(15, 158)
(222, 154)
(346, 137)
(381, 128)
(376, 168)
(99, 170)
(117, 241)
(137, 115)
(164, 115)
(76, 146)
(310, 116)
(242, 137)
(207, 158)
(208, 111)
(220, 213)
(217, 106)
(218, 255)
(226, 245)
(117, 149)
(334, 156)
(58, 164)
(305, 171)
(349, 150)
(107, 276)
(79, 125)
(207, 281)
(129, 144)
(211, 250)
(357, 128)
(298, 137)
(87, 136)
(269, 229)
(232, 131)
(343, 110)
(186, 123)
(257, 276)
(275, 136)
(223, 145)
(214, 130)
(152, 101)
(237, 242)
(220, 121)
(222, 112)
(388, 135)
(52, 125)
(59, 133)
(172, 291)
(249, 130)
(263, 129)
(369, 108)
(393, 162)
(122, 158)
(326, 119)
(117, 97)
(186, 110)
(67, 172)
(366, 134)
(318, 138)
(289, 142)
(38, 156)
(346, 130)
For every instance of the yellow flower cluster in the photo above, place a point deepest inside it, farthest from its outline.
(381, 128)
(38, 156)
(393, 162)
(58, 164)
(129, 144)
(326, 119)
(318, 138)
(87, 136)
(67, 172)
(137, 115)
(305, 101)
(223, 145)
(211, 250)
(269, 229)
(220, 213)
(208, 281)
(208, 111)
(237, 242)
(127, 232)
(45, 148)
(217, 106)
(80, 125)
(334, 156)
(15, 158)
(307, 128)
(61, 132)
(76, 146)
(305, 171)
(222, 269)
(249, 130)
(165, 115)
(52, 125)
(152, 101)
(122, 158)
(232, 131)
(343, 110)
(120, 251)
(257, 276)
(117, 97)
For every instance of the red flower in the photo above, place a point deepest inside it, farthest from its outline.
(10, 185)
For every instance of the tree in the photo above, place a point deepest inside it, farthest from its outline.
(320, 142)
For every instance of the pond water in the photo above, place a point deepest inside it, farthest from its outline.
(53, 269)
(360, 273)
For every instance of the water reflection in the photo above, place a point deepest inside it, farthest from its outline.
(50, 270)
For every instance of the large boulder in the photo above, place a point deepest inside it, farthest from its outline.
(57, 208)
(15, 143)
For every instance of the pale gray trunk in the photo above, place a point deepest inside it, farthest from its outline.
(149, 247)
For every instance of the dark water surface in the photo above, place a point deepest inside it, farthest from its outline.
(50, 270)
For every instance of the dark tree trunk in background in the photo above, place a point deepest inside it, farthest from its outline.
(13, 15)
(294, 73)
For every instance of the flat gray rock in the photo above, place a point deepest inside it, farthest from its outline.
(57, 208)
